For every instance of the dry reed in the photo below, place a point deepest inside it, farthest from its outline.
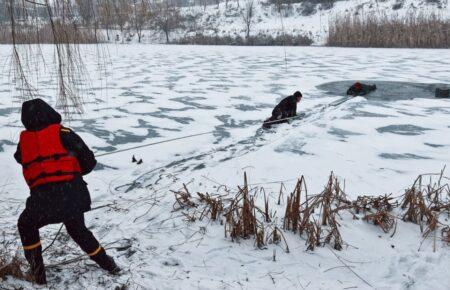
(414, 30)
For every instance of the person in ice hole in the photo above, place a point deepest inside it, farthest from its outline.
(54, 160)
(359, 89)
(287, 108)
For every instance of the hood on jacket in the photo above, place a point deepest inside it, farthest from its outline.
(37, 115)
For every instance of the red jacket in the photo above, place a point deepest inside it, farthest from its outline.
(44, 158)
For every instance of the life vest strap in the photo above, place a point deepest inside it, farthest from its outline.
(46, 175)
(45, 158)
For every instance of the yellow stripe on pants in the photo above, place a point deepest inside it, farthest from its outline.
(95, 252)
(31, 247)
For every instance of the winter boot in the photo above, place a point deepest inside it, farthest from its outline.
(105, 262)
(34, 258)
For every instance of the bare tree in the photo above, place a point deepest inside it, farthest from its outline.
(204, 3)
(166, 17)
(86, 11)
(105, 10)
(122, 13)
(141, 16)
(248, 14)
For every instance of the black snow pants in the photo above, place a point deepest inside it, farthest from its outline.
(277, 114)
(29, 226)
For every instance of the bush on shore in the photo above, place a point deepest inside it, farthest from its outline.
(257, 40)
(66, 33)
(370, 30)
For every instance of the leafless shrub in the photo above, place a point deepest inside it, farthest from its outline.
(248, 14)
(141, 16)
(381, 218)
(292, 217)
(11, 265)
(183, 199)
(377, 210)
(415, 206)
(259, 39)
(106, 15)
(44, 34)
(315, 217)
(166, 17)
(380, 203)
(214, 206)
(417, 209)
(299, 217)
(423, 205)
(313, 235)
(122, 14)
(414, 30)
(240, 216)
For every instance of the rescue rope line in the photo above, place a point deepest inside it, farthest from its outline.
(151, 144)
(54, 239)
(339, 102)
(180, 138)
(284, 119)
(60, 228)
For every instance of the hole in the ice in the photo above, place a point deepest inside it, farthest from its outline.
(386, 90)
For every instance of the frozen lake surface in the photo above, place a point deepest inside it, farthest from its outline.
(378, 144)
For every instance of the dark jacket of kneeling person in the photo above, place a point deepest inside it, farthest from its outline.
(287, 107)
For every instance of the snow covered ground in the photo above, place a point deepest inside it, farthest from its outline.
(308, 18)
(378, 144)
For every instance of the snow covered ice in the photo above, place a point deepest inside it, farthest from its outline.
(378, 144)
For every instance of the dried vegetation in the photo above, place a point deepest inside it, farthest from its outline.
(316, 218)
(414, 30)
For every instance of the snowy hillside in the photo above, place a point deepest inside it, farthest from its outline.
(308, 17)
(377, 145)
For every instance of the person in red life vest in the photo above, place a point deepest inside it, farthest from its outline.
(54, 160)
(359, 89)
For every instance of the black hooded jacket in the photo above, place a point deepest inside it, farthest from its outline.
(63, 200)
(286, 108)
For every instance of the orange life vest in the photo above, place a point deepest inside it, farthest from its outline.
(44, 158)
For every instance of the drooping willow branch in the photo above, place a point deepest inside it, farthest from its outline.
(53, 22)
(18, 69)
